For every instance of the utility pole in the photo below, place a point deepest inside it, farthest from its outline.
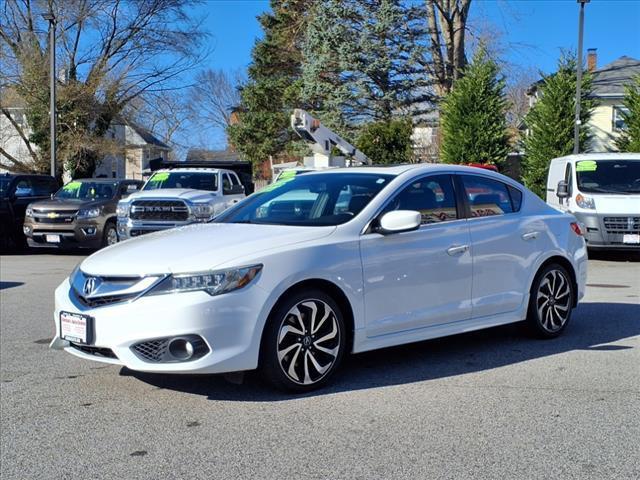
(576, 125)
(50, 17)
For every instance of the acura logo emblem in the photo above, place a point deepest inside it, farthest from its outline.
(91, 284)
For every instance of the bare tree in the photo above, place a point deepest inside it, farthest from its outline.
(214, 96)
(110, 51)
(447, 25)
(518, 84)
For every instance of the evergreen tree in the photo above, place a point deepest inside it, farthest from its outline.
(273, 87)
(473, 121)
(387, 142)
(550, 122)
(361, 61)
(629, 139)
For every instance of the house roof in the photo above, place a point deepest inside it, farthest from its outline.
(610, 80)
(146, 135)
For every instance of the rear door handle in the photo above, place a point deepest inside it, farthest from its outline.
(457, 250)
(529, 235)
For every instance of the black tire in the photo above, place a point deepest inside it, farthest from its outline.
(296, 357)
(108, 234)
(551, 302)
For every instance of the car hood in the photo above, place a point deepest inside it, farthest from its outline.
(182, 193)
(70, 204)
(195, 248)
(617, 204)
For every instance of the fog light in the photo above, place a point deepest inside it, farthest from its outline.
(26, 229)
(181, 349)
(171, 349)
(89, 230)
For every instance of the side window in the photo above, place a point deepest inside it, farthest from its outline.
(42, 187)
(226, 184)
(516, 198)
(432, 196)
(487, 197)
(24, 188)
(234, 179)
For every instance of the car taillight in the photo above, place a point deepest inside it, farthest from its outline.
(577, 228)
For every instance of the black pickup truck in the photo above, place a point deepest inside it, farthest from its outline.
(18, 190)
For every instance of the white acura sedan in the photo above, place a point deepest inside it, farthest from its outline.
(308, 269)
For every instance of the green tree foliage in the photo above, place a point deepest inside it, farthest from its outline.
(387, 142)
(550, 122)
(273, 87)
(360, 62)
(473, 119)
(629, 139)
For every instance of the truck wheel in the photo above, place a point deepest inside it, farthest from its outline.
(110, 234)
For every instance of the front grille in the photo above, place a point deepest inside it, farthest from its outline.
(152, 350)
(622, 225)
(54, 216)
(102, 301)
(139, 231)
(96, 351)
(160, 210)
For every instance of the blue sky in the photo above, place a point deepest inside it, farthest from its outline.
(532, 32)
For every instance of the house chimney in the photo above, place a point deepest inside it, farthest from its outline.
(592, 59)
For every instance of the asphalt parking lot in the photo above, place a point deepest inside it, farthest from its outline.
(491, 404)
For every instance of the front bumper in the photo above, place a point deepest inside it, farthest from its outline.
(230, 324)
(77, 234)
(607, 231)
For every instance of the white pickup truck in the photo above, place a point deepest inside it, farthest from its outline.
(178, 196)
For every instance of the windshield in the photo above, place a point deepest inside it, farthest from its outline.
(196, 180)
(87, 190)
(608, 176)
(309, 200)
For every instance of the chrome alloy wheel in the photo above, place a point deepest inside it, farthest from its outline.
(308, 341)
(553, 300)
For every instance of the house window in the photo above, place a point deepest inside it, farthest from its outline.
(618, 119)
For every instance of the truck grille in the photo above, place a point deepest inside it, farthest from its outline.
(622, 225)
(54, 216)
(160, 210)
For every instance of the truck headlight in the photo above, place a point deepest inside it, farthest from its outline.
(122, 210)
(202, 210)
(214, 282)
(585, 202)
(28, 212)
(89, 212)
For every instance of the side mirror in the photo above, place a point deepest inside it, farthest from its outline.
(399, 221)
(233, 190)
(562, 191)
(51, 196)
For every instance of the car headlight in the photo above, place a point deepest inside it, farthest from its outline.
(214, 283)
(89, 212)
(122, 210)
(585, 202)
(202, 210)
(28, 212)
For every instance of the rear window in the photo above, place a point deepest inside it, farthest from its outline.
(488, 197)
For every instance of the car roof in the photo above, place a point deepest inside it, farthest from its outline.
(598, 156)
(192, 170)
(100, 180)
(400, 169)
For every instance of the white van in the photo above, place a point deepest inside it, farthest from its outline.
(602, 190)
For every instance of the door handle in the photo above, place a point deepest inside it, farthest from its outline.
(457, 249)
(529, 235)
